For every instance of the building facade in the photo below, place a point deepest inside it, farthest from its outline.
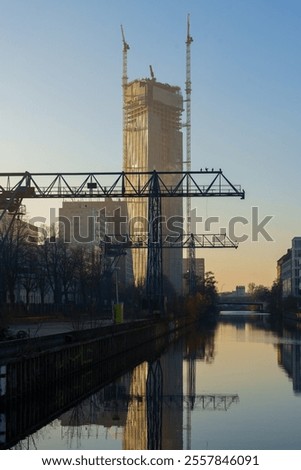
(89, 222)
(289, 270)
(199, 271)
(153, 141)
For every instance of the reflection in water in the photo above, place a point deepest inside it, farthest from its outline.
(154, 385)
(143, 408)
(135, 432)
(148, 403)
(107, 409)
(220, 388)
(290, 356)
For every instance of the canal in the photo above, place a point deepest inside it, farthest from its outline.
(232, 385)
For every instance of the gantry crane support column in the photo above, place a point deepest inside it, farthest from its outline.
(154, 276)
(192, 267)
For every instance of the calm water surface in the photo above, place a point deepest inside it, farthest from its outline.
(233, 386)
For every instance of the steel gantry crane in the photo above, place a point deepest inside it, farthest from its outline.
(14, 187)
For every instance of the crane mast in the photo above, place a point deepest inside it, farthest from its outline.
(125, 49)
(191, 250)
(188, 107)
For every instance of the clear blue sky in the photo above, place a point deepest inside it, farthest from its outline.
(61, 100)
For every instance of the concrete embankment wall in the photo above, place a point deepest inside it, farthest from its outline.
(30, 364)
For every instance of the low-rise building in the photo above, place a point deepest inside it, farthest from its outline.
(88, 223)
(289, 270)
(199, 271)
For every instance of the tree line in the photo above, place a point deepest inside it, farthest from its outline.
(48, 268)
(75, 274)
(277, 304)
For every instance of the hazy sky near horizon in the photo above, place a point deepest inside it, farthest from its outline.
(61, 102)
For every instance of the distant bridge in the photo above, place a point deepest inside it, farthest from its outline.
(233, 303)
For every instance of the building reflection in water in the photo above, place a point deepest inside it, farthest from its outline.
(106, 408)
(135, 431)
(155, 408)
(147, 406)
(144, 408)
(152, 405)
(289, 356)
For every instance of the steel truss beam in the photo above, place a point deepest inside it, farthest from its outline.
(209, 402)
(114, 243)
(124, 184)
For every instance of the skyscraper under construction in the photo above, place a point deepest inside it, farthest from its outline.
(152, 140)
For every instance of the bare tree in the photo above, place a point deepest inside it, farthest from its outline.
(13, 245)
(52, 260)
(29, 271)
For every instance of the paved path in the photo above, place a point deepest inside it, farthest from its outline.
(51, 328)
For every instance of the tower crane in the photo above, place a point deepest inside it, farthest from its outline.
(191, 249)
(152, 73)
(126, 47)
